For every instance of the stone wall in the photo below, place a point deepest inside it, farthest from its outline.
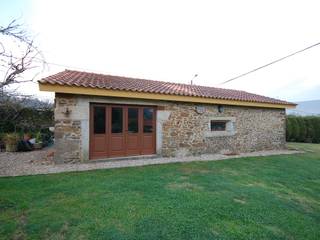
(181, 130)
(67, 132)
(187, 132)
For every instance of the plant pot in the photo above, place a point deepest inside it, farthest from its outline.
(37, 145)
(11, 147)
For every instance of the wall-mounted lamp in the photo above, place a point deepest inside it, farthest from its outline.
(66, 111)
(220, 108)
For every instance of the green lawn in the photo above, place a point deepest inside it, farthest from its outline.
(276, 197)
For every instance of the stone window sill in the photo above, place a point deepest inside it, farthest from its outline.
(220, 133)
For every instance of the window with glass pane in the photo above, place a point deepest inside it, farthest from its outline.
(218, 125)
(133, 123)
(116, 120)
(99, 121)
(148, 120)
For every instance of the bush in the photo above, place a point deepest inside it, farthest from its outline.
(309, 130)
(1, 137)
(316, 129)
(303, 129)
(288, 129)
(295, 129)
(301, 137)
(11, 141)
(21, 114)
(11, 138)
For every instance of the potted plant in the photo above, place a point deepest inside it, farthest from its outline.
(11, 141)
(38, 143)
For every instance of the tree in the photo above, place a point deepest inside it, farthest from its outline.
(18, 55)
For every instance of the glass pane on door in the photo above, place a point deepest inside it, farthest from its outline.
(116, 120)
(99, 121)
(133, 120)
(148, 120)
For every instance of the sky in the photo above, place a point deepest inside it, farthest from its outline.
(174, 40)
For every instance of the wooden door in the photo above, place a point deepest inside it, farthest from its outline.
(98, 131)
(148, 130)
(122, 130)
(133, 131)
(117, 146)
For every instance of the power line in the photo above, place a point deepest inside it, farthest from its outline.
(268, 64)
(64, 66)
(43, 61)
(229, 80)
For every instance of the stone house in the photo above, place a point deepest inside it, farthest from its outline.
(101, 116)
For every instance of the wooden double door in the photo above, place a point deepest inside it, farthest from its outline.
(121, 130)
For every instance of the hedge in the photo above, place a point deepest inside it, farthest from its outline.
(24, 114)
(303, 129)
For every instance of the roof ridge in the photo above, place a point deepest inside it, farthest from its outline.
(153, 80)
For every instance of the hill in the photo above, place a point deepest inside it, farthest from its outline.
(306, 108)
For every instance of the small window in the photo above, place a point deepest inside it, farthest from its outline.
(218, 125)
(99, 121)
(116, 120)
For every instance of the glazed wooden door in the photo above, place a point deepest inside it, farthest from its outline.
(117, 146)
(148, 130)
(121, 130)
(98, 131)
(133, 131)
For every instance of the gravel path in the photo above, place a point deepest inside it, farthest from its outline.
(38, 162)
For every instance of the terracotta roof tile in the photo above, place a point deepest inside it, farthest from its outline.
(94, 80)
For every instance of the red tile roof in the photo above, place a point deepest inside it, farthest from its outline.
(94, 80)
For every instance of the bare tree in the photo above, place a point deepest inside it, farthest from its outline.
(19, 58)
(18, 55)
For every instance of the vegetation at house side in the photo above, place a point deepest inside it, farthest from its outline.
(274, 197)
(24, 114)
(303, 129)
(20, 116)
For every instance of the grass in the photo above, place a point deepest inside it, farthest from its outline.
(276, 197)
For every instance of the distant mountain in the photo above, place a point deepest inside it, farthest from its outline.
(306, 108)
(25, 101)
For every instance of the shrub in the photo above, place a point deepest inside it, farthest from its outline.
(38, 137)
(1, 137)
(295, 130)
(11, 141)
(303, 129)
(301, 137)
(20, 114)
(316, 129)
(288, 129)
(11, 138)
(309, 129)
